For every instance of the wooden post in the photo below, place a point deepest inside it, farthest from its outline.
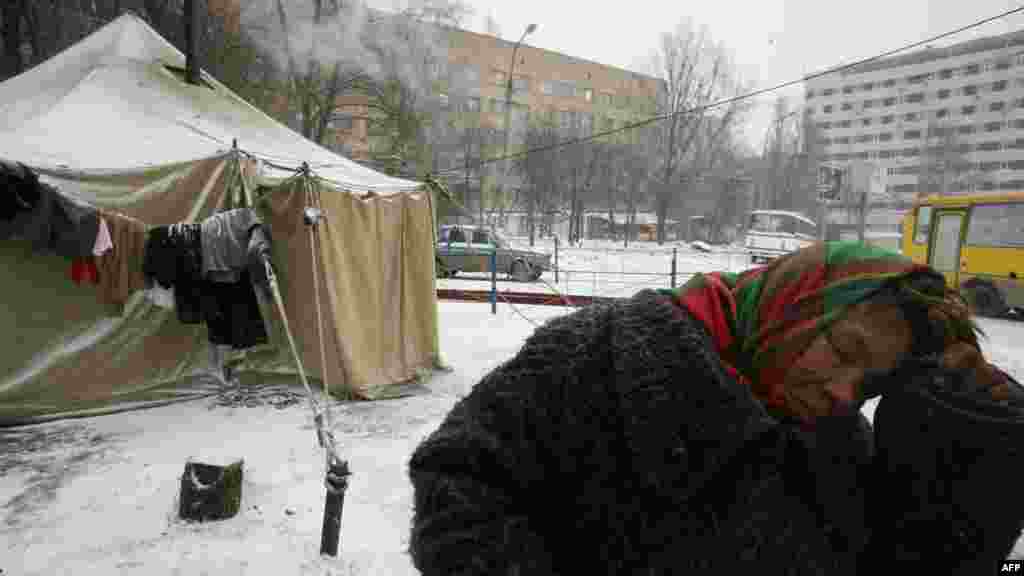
(210, 492)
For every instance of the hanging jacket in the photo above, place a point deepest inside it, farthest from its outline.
(226, 241)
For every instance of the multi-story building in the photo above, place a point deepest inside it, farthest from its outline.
(947, 119)
(562, 89)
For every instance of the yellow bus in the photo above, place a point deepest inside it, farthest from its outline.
(977, 241)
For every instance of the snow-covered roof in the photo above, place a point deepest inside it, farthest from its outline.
(111, 104)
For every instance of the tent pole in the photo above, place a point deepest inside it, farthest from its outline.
(191, 42)
(337, 469)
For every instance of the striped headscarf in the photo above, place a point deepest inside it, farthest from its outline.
(762, 320)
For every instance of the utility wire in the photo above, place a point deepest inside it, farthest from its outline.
(741, 97)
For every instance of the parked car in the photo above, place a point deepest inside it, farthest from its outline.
(469, 248)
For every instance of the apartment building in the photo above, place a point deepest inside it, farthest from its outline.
(947, 119)
(546, 85)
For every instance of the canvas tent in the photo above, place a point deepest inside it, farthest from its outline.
(109, 121)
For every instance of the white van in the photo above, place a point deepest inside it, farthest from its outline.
(772, 233)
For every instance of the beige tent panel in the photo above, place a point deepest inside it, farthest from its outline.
(374, 262)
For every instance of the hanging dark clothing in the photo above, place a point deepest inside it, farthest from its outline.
(21, 191)
(232, 313)
(226, 242)
(55, 223)
(174, 260)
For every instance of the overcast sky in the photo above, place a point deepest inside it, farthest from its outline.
(773, 41)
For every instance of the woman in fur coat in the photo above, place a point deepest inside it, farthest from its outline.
(716, 427)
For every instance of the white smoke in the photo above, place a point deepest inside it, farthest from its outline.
(385, 44)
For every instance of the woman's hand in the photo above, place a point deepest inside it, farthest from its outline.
(965, 358)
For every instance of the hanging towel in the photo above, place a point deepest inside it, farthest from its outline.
(120, 268)
(103, 242)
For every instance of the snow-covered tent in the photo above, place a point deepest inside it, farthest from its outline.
(110, 121)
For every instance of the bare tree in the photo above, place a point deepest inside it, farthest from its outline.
(695, 72)
(540, 171)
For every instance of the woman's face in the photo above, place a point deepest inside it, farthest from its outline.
(829, 376)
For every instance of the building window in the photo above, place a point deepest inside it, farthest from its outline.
(868, 104)
(989, 166)
(911, 134)
(867, 86)
(824, 125)
(885, 137)
(887, 119)
(1002, 65)
(943, 94)
(809, 95)
(1015, 165)
(1017, 144)
(847, 106)
(844, 124)
(969, 90)
(999, 86)
(885, 154)
(911, 117)
(588, 94)
(972, 69)
(1018, 123)
(847, 89)
(946, 74)
(889, 101)
(520, 84)
(993, 126)
(914, 98)
(864, 138)
(918, 78)
(910, 152)
(990, 147)
(827, 109)
(865, 122)
(965, 129)
(941, 113)
(996, 106)
(829, 91)
(842, 140)
(473, 104)
(968, 110)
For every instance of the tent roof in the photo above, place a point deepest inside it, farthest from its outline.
(109, 104)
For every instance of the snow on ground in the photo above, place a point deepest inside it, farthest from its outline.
(98, 496)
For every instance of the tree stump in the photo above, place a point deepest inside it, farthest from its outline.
(210, 492)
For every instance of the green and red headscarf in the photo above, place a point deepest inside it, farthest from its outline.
(761, 320)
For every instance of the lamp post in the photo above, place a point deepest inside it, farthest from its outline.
(508, 105)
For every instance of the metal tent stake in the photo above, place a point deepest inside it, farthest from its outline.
(337, 483)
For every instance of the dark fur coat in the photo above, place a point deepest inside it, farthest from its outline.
(615, 443)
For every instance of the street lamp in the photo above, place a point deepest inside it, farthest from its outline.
(508, 101)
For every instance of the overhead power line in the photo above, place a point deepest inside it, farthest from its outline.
(739, 98)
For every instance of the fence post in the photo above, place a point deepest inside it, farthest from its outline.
(494, 281)
(674, 267)
(556, 260)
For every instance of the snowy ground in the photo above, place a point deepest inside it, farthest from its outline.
(98, 496)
